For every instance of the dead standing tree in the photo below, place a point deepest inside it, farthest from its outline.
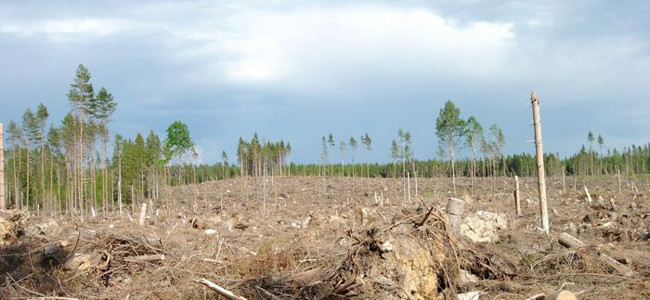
(541, 181)
(2, 168)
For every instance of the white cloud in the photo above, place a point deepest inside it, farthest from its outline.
(55, 28)
(301, 48)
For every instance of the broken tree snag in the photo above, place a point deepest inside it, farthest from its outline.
(455, 208)
(541, 180)
(613, 205)
(563, 179)
(143, 213)
(561, 295)
(2, 169)
(619, 267)
(618, 179)
(517, 198)
(221, 291)
(569, 241)
(589, 200)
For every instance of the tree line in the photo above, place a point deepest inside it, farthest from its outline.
(66, 168)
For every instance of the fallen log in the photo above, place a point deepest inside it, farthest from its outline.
(221, 291)
(141, 258)
(619, 267)
(569, 241)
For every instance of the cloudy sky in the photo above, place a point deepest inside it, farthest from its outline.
(298, 70)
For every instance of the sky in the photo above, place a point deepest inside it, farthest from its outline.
(299, 70)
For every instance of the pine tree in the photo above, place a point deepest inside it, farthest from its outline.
(153, 159)
(367, 142)
(224, 163)
(54, 146)
(80, 95)
(353, 148)
(102, 107)
(590, 139)
(41, 116)
(473, 138)
(31, 130)
(16, 139)
(323, 156)
(601, 146)
(394, 153)
(342, 151)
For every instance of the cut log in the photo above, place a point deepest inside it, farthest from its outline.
(569, 241)
(561, 295)
(624, 270)
(221, 291)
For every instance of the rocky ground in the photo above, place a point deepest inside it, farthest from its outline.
(332, 238)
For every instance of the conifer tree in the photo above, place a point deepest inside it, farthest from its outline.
(41, 116)
(353, 148)
(473, 138)
(80, 94)
(31, 130)
(16, 139)
(367, 142)
(224, 163)
(102, 107)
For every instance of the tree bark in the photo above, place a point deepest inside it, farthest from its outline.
(517, 198)
(2, 168)
(453, 167)
(28, 171)
(541, 179)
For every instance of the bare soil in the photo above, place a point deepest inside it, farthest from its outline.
(332, 238)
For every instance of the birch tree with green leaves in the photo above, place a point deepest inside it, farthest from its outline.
(450, 129)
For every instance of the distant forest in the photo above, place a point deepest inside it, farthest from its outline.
(66, 168)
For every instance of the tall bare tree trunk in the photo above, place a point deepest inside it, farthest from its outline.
(51, 193)
(81, 163)
(541, 180)
(119, 183)
(2, 168)
(105, 176)
(453, 169)
(16, 183)
(72, 172)
(43, 168)
(28, 167)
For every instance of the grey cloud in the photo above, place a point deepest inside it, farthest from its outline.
(179, 60)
